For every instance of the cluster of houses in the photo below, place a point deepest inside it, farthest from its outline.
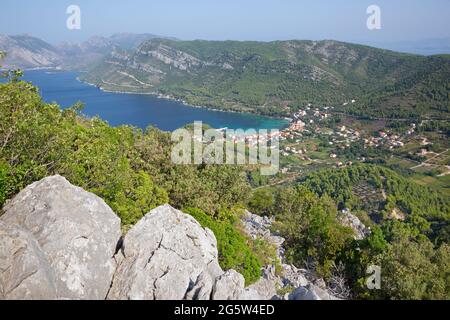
(384, 139)
(253, 139)
(293, 150)
(302, 118)
(312, 113)
(344, 136)
(341, 137)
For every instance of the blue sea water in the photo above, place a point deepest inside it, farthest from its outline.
(135, 109)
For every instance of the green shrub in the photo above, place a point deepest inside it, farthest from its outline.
(129, 168)
(261, 202)
(309, 225)
(234, 252)
(3, 183)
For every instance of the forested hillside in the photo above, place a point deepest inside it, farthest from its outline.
(275, 78)
(409, 230)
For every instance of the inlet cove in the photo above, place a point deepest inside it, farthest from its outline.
(139, 110)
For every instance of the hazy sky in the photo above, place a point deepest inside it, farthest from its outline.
(230, 19)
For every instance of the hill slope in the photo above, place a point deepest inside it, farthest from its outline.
(28, 52)
(276, 77)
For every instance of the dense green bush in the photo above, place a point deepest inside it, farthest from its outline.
(234, 251)
(402, 193)
(261, 201)
(413, 252)
(131, 169)
(3, 182)
(309, 224)
(411, 266)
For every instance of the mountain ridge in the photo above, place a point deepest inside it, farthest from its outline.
(270, 78)
(28, 52)
(275, 78)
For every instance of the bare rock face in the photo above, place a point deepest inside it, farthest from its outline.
(166, 255)
(25, 272)
(230, 286)
(71, 233)
(347, 219)
(58, 241)
(267, 285)
(311, 292)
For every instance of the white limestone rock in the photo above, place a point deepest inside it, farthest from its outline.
(25, 272)
(166, 256)
(77, 233)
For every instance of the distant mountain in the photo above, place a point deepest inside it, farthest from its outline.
(85, 54)
(274, 78)
(132, 41)
(28, 52)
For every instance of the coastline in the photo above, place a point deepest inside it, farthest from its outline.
(158, 95)
(183, 102)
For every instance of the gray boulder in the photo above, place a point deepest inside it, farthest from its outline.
(166, 255)
(311, 292)
(76, 232)
(230, 286)
(25, 272)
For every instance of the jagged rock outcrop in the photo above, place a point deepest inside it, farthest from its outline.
(166, 255)
(296, 284)
(25, 272)
(347, 219)
(61, 242)
(68, 234)
(259, 227)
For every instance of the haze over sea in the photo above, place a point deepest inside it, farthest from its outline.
(137, 109)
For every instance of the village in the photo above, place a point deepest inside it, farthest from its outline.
(315, 139)
(307, 124)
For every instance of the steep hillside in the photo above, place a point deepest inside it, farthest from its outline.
(276, 77)
(80, 56)
(28, 52)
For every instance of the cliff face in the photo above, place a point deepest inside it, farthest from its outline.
(61, 242)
